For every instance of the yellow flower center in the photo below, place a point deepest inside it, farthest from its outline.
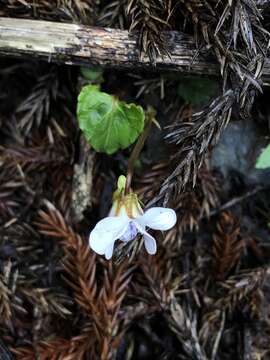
(126, 205)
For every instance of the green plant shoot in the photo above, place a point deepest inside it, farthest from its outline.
(93, 74)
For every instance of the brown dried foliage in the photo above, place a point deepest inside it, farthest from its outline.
(228, 245)
(234, 32)
(58, 300)
(101, 305)
(150, 18)
(162, 283)
(193, 140)
(78, 11)
(191, 206)
(240, 288)
(113, 14)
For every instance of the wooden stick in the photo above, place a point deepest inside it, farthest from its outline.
(83, 45)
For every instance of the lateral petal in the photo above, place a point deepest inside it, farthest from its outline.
(106, 232)
(159, 218)
(109, 251)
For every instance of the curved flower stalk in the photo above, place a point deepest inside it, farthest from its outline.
(127, 219)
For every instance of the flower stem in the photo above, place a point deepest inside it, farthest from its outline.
(150, 115)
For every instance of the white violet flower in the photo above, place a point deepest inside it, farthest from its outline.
(126, 219)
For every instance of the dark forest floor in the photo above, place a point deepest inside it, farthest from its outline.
(205, 295)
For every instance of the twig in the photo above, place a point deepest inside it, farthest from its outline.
(137, 149)
(81, 45)
(218, 337)
(236, 201)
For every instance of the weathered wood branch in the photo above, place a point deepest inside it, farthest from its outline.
(83, 45)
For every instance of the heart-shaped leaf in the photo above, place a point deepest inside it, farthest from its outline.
(108, 123)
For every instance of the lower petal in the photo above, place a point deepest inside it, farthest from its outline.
(130, 233)
(150, 244)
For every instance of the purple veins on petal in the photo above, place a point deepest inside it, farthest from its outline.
(130, 233)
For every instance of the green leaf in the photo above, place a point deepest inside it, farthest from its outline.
(108, 123)
(197, 91)
(263, 160)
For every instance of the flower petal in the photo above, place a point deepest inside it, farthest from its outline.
(106, 232)
(139, 223)
(150, 244)
(159, 218)
(130, 233)
(109, 251)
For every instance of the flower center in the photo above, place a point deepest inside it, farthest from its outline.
(126, 205)
(130, 233)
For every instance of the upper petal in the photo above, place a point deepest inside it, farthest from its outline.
(106, 232)
(159, 218)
